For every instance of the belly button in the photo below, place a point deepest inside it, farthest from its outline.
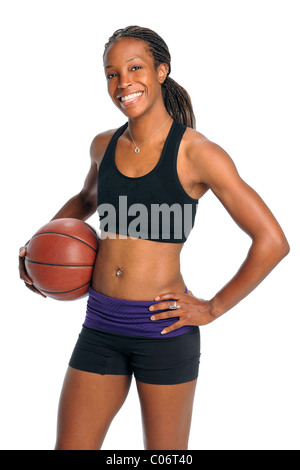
(119, 271)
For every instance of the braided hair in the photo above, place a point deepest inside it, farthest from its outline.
(177, 100)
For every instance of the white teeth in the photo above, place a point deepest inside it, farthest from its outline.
(131, 97)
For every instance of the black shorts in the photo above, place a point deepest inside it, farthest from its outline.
(161, 361)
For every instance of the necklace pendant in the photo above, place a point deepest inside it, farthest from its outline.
(136, 150)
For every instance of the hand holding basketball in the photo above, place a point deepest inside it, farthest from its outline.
(23, 273)
(58, 260)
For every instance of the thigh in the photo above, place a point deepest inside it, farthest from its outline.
(166, 372)
(166, 414)
(168, 361)
(88, 404)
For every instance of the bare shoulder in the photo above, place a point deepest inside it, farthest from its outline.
(207, 159)
(99, 145)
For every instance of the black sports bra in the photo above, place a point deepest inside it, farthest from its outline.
(153, 206)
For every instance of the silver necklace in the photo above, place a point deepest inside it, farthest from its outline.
(137, 147)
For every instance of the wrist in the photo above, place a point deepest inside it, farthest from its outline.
(215, 308)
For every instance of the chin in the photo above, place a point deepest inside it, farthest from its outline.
(135, 110)
(132, 113)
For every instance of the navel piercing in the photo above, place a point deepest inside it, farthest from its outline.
(119, 271)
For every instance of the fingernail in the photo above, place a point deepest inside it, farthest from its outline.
(151, 308)
(157, 298)
(152, 318)
(163, 332)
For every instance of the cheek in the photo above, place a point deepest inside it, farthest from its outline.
(110, 86)
(111, 89)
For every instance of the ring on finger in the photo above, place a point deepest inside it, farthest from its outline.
(174, 306)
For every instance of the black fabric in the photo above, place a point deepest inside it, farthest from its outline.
(165, 361)
(161, 186)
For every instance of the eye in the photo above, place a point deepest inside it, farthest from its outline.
(111, 75)
(136, 67)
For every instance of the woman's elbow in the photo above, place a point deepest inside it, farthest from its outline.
(285, 247)
(278, 245)
(89, 202)
(272, 244)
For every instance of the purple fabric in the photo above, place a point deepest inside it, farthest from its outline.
(127, 317)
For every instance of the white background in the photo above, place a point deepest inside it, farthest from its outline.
(239, 61)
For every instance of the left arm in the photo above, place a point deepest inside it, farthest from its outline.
(213, 167)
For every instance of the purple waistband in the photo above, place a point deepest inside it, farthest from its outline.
(127, 317)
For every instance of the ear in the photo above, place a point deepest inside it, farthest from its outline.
(163, 70)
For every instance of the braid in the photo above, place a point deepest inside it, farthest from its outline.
(176, 99)
(178, 102)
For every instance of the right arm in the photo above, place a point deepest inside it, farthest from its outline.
(81, 206)
(84, 204)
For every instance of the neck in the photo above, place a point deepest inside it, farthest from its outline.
(142, 127)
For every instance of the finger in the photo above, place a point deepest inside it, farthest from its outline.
(173, 327)
(167, 314)
(35, 290)
(163, 306)
(170, 296)
(22, 251)
(22, 271)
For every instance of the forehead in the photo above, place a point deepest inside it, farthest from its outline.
(126, 48)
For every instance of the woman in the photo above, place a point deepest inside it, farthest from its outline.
(146, 179)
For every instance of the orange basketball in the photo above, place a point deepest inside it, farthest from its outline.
(60, 258)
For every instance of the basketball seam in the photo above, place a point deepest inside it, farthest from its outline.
(61, 265)
(65, 235)
(62, 292)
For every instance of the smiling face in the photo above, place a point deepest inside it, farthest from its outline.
(134, 84)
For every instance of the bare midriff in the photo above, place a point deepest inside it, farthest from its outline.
(136, 269)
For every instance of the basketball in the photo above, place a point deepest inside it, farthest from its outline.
(60, 258)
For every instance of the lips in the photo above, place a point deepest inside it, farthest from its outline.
(130, 97)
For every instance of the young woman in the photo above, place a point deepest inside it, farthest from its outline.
(145, 179)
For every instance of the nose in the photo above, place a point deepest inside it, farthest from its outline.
(124, 81)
